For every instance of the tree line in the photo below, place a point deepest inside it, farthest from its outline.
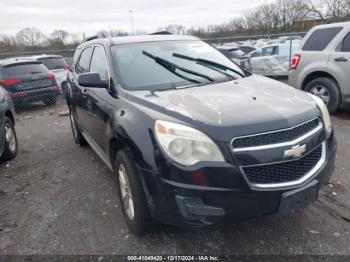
(281, 16)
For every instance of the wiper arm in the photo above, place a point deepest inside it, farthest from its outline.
(172, 68)
(208, 62)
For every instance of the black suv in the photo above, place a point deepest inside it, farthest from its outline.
(192, 139)
(28, 81)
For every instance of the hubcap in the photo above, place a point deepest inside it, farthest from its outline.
(10, 137)
(126, 193)
(321, 92)
(74, 127)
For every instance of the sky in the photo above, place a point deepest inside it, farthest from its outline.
(91, 16)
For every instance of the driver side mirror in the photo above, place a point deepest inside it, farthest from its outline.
(91, 80)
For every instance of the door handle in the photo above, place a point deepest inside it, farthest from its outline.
(84, 92)
(340, 59)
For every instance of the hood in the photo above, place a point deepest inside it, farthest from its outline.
(245, 106)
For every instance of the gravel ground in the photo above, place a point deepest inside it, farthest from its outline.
(59, 198)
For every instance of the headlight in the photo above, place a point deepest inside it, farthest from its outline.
(185, 145)
(325, 114)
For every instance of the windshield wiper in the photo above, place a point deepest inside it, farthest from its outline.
(202, 61)
(172, 68)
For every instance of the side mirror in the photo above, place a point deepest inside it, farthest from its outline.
(91, 80)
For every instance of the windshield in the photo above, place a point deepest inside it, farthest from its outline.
(54, 63)
(139, 69)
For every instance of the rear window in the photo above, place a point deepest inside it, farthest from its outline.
(53, 63)
(346, 44)
(24, 69)
(320, 38)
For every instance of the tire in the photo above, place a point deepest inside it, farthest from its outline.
(11, 143)
(50, 100)
(139, 221)
(78, 137)
(326, 87)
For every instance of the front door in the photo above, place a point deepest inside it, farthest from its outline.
(96, 100)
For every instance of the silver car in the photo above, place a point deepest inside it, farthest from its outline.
(322, 66)
(58, 66)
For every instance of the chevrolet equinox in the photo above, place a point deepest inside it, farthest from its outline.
(193, 139)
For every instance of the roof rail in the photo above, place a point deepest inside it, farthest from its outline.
(91, 38)
(161, 33)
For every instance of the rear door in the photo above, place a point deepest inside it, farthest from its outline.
(78, 93)
(339, 63)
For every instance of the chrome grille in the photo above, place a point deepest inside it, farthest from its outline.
(283, 172)
(275, 137)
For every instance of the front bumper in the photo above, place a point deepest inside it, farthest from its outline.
(224, 198)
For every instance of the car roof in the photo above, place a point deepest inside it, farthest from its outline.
(17, 60)
(43, 56)
(138, 39)
(343, 24)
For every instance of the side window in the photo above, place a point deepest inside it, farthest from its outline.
(257, 53)
(320, 39)
(269, 51)
(84, 61)
(98, 63)
(346, 44)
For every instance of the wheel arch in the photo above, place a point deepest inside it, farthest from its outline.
(315, 75)
(9, 114)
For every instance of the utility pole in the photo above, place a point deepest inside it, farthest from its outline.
(132, 22)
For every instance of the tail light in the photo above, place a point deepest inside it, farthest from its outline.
(10, 82)
(67, 68)
(295, 61)
(51, 76)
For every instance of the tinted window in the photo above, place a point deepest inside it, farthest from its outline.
(98, 63)
(24, 69)
(53, 63)
(320, 39)
(346, 44)
(84, 61)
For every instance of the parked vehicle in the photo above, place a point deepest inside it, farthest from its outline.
(57, 66)
(8, 137)
(247, 49)
(193, 139)
(322, 66)
(272, 60)
(237, 56)
(28, 81)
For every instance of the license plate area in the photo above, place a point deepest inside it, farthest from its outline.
(298, 198)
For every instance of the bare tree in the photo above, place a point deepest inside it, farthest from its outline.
(31, 37)
(60, 36)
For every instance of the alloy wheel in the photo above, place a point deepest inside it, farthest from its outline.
(125, 189)
(10, 137)
(321, 92)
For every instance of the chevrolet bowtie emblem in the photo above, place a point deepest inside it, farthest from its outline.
(295, 152)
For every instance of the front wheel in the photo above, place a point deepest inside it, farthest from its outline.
(131, 195)
(328, 90)
(11, 143)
